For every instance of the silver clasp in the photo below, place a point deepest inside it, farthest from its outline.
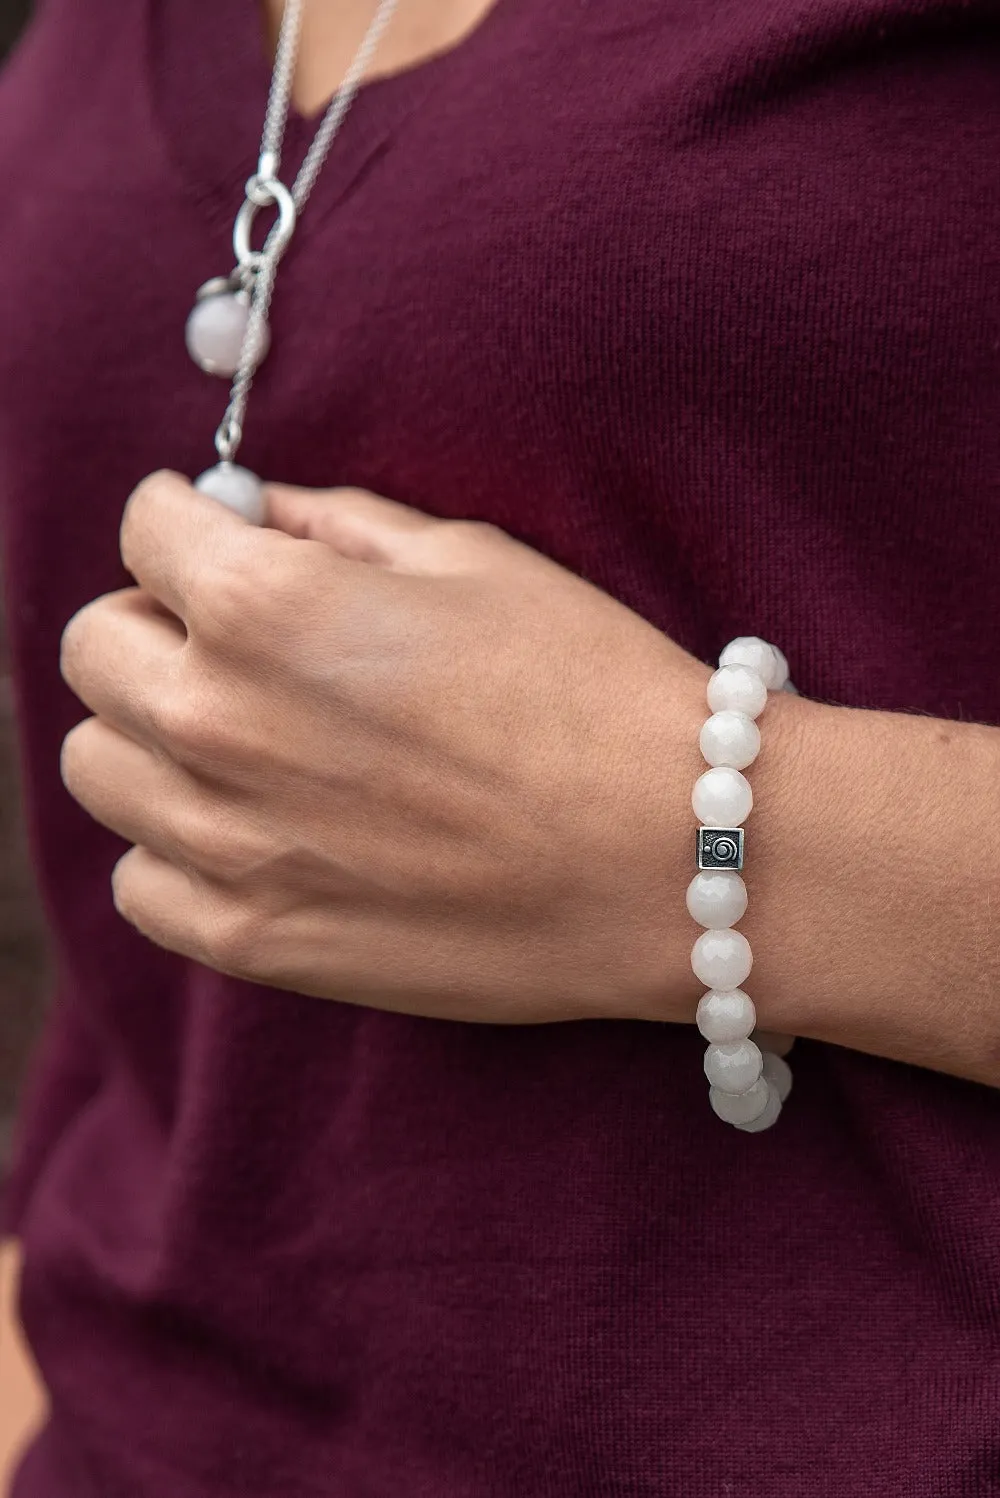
(263, 192)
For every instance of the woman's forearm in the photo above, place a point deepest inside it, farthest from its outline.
(874, 870)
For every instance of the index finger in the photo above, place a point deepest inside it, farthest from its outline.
(172, 537)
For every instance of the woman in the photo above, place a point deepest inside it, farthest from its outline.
(314, 1196)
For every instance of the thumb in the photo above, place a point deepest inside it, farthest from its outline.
(360, 526)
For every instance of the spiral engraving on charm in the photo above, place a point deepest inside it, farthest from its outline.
(720, 847)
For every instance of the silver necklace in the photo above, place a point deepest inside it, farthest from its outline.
(227, 332)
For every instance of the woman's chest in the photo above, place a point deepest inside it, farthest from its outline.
(637, 290)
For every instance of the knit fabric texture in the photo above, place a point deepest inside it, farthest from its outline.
(701, 299)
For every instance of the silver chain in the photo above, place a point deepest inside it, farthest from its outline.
(257, 269)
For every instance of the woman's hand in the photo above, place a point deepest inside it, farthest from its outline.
(411, 763)
(382, 758)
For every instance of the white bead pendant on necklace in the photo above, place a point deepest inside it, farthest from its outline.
(236, 488)
(217, 327)
(226, 332)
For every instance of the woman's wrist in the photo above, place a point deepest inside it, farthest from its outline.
(871, 859)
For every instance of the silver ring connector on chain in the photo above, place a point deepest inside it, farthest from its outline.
(263, 192)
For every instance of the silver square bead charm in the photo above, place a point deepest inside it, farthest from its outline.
(720, 847)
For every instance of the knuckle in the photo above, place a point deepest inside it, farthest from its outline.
(72, 646)
(472, 533)
(275, 599)
(234, 940)
(230, 593)
(217, 847)
(150, 487)
(461, 532)
(138, 901)
(125, 889)
(464, 541)
(144, 496)
(191, 724)
(74, 755)
(69, 649)
(296, 575)
(85, 636)
(292, 573)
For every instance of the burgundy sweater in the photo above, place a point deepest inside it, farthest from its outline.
(702, 298)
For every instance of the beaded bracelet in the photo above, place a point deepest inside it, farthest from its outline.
(748, 1076)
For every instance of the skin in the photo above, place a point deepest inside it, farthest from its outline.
(363, 755)
(22, 1402)
(388, 774)
(504, 831)
(330, 36)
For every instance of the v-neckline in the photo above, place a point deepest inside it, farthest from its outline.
(212, 75)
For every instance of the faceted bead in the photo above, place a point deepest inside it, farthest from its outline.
(737, 689)
(725, 1016)
(730, 738)
(770, 1040)
(722, 959)
(722, 797)
(215, 331)
(779, 678)
(236, 488)
(778, 1074)
(717, 899)
(749, 650)
(766, 1119)
(742, 1107)
(733, 1066)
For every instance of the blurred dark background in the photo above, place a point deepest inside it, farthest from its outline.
(13, 14)
(23, 981)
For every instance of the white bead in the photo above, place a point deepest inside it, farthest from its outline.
(739, 689)
(717, 898)
(725, 1016)
(730, 738)
(766, 1119)
(770, 1040)
(722, 797)
(722, 959)
(777, 681)
(750, 650)
(743, 1107)
(215, 332)
(733, 1066)
(236, 488)
(777, 1074)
